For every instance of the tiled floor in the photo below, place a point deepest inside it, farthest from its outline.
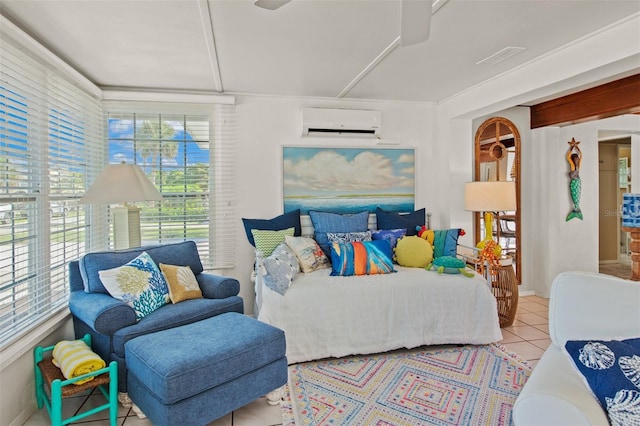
(528, 337)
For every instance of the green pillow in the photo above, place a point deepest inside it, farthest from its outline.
(267, 241)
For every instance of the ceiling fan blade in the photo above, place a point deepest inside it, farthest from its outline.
(415, 21)
(270, 4)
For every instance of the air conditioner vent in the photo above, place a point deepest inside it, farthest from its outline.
(340, 122)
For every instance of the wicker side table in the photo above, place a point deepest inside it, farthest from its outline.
(504, 285)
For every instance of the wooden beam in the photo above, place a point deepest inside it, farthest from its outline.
(607, 100)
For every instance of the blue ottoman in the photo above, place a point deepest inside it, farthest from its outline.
(199, 372)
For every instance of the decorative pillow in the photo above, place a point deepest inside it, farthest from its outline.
(348, 237)
(324, 222)
(361, 258)
(280, 268)
(138, 283)
(284, 221)
(413, 252)
(183, 284)
(445, 242)
(267, 241)
(393, 220)
(308, 252)
(612, 371)
(391, 235)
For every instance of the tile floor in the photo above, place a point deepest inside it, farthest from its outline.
(528, 337)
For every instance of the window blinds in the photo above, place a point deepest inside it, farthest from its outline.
(51, 146)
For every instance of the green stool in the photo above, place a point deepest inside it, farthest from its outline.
(59, 387)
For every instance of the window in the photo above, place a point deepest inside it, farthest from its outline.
(189, 157)
(51, 143)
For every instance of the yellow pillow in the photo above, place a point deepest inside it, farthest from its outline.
(413, 252)
(182, 283)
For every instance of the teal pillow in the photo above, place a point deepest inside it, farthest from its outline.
(445, 242)
(140, 283)
(267, 241)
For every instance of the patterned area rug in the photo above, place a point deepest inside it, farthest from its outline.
(445, 385)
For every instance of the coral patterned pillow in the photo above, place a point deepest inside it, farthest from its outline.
(361, 258)
(138, 283)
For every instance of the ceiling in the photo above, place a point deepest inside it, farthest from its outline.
(319, 48)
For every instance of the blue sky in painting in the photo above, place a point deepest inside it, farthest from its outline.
(339, 171)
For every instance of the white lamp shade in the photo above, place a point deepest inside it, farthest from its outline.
(121, 183)
(492, 196)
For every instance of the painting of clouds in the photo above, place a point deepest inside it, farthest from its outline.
(348, 180)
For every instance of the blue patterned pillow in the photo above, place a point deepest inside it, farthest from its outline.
(139, 283)
(612, 372)
(280, 268)
(391, 235)
(361, 258)
(324, 222)
(348, 237)
(393, 220)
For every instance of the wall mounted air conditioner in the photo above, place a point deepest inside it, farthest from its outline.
(341, 122)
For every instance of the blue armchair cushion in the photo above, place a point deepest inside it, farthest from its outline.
(183, 253)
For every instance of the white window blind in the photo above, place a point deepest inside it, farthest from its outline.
(191, 160)
(51, 145)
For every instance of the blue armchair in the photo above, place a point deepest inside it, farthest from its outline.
(111, 322)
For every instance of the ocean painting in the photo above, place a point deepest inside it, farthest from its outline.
(348, 180)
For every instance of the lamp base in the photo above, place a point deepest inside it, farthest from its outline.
(126, 227)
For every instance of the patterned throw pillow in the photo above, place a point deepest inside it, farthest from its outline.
(361, 258)
(348, 237)
(183, 284)
(280, 268)
(284, 221)
(392, 220)
(324, 222)
(308, 252)
(612, 372)
(391, 235)
(138, 283)
(267, 240)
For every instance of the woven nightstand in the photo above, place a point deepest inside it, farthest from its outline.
(504, 285)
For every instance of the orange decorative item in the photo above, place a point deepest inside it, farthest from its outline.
(488, 256)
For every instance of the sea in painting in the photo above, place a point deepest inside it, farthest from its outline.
(348, 180)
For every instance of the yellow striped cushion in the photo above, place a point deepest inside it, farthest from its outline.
(74, 358)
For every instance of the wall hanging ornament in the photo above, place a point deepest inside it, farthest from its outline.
(574, 156)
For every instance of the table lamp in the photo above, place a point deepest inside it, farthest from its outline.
(123, 183)
(631, 224)
(490, 197)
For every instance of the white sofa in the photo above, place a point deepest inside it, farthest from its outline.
(582, 306)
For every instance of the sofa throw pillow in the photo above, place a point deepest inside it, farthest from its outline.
(413, 252)
(391, 235)
(348, 237)
(361, 258)
(267, 241)
(280, 268)
(611, 370)
(324, 222)
(138, 283)
(284, 221)
(445, 242)
(392, 220)
(183, 284)
(309, 254)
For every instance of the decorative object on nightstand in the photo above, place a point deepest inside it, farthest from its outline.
(489, 197)
(631, 224)
(123, 183)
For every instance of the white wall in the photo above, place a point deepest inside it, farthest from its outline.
(266, 124)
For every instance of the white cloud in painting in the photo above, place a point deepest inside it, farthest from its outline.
(367, 171)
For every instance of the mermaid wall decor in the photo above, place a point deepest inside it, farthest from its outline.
(574, 157)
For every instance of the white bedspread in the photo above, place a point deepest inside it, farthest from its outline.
(325, 316)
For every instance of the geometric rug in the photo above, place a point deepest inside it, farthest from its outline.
(442, 385)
